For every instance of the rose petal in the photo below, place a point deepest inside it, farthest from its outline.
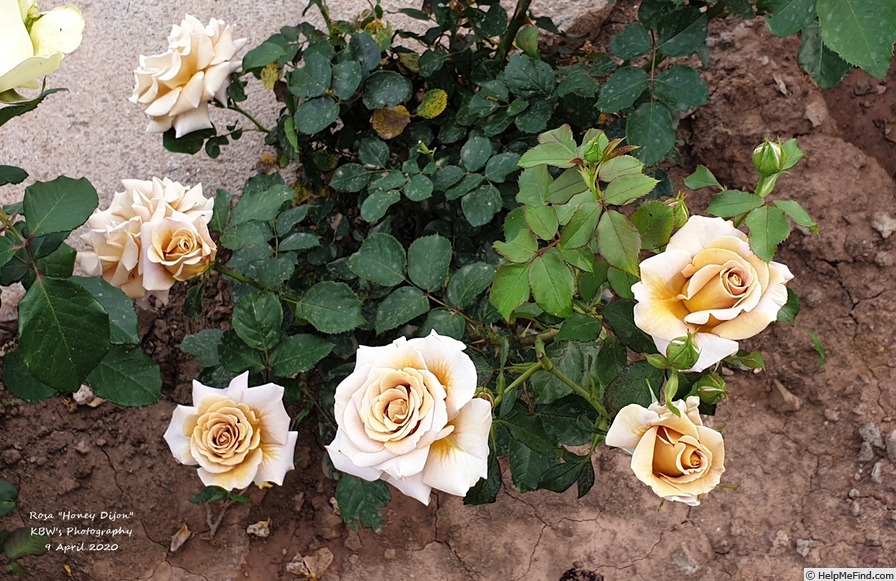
(412, 486)
(191, 121)
(712, 349)
(267, 402)
(755, 321)
(16, 43)
(178, 442)
(459, 460)
(407, 464)
(344, 464)
(236, 478)
(445, 358)
(58, 30)
(24, 73)
(629, 426)
(700, 231)
(277, 460)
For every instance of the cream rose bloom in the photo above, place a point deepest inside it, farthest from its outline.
(708, 283)
(32, 44)
(677, 456)
(407, 415)
(237, 435)
(174, 87)
(153, 234)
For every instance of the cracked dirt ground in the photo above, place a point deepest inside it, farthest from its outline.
(810, 450)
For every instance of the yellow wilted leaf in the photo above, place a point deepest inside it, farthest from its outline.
(434, 102)
(389, 122)
(270, 75)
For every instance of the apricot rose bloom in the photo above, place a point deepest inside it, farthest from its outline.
(708, 283)
(175, 87)
(32, 44)
(153, 234)
(676, 455)
(237, 435)
(407, 415)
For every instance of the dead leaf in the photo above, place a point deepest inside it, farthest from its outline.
(180, 537)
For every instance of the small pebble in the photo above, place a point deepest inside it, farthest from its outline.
(866, 454)
(891, 446)
(389, 554)
(883, 223)
(871, 433)
(353, 542)
(875, 471)
(855, 509)
(831, 415)
(853, 493)
(11, 456)
(803, 546)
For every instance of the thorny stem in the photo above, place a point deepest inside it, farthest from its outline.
(8, 225)
(549, 366)
(518, 381)
(215, 522)
(246, 114)
(516, 22)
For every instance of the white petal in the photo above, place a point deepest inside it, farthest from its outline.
(58, 30)
(459, 460)
(699, 231)
(16, 43)
(277, 461)
(342, 463)
(192, 120)
(28, 70)
(267, 402)
(174, 435)
(407, 464)
(412, 486)
(445, 358)
(200, 392)
(236, 479)
(712, 349)
(238, 386)
(629, 425)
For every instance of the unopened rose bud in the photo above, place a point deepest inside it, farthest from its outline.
(711, 389)
(593, 153)
(680, 211)
(769, 158)
(682, 353)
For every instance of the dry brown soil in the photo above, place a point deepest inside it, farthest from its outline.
(811, 450)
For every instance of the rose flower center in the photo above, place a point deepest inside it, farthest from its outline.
(674, 456)
(398, 401)
(714, 287)
(226, 432)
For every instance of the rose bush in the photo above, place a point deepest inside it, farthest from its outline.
(407, 415)
(153, 234)
(174, 87)
(675, 454)
(708, 283)
(237, 435)
(32, 44)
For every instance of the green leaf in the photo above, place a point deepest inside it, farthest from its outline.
(823, 65)
(428, 260)
(634, 384)
(378, 203)
(64, 331)
(373, 153)
(542, 220)
(402, 305)
(787, 17)
(127, 377)
(361, 502)
(573, 360)
(19, 381)
(315, 115)
(579, 328)
(312, 77)
(552, 284)
(122, 317)
(526, 76)
(10, 174)
(21, 542)
(8, 497)
(682, 32)
(625, 189)
(579, 231)
(298, 241)
(238, 357)
(221, 212)
(567, 185)
(298, 354)
(418, 188)
(527, 465)
(621, 282)
(791, 308)
(619, 316)
(701, 178)
(797, 213)
(500, 166)
(347, 77)
(619, 241)
(209, 494)
(681, 87)
(204, 346)
(652, 129)
(486, 490)
(468, 282)
(510, 288)
(60, 205)
(263, 55)
(381, 259)
(11, 111)
(617, 167)
(475, 152)
(252, 234)
(444, 322)
(560, 477)
(257, 319)
(654, 221)
(480, 206)
(386, 89)
(862, 32)
(331, 307)
(527, 40)
(350, 178)
(622, 89)
(768, 228)
(289, 218)
(365, 49)
(631, 42)
(521, 249)
(534, 183)
(262, 206)
(536, 116)
(556, 148)
(189, 143)
(729, 203)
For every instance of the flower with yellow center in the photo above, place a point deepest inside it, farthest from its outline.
(708, 283)
(32, 44)
(676, 455)
(407, 415)
(237, 435)
(177, 249)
